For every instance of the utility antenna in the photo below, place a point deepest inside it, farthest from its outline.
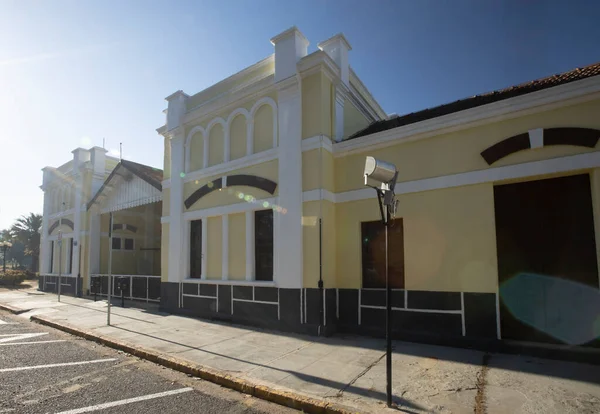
(103, 143)
(121, 151)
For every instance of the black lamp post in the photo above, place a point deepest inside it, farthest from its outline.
(385, 174)
(4, 246)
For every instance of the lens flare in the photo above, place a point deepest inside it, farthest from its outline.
(241, 196)
(266, 204)
(182, 175)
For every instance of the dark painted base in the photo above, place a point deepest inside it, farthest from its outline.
(70, 286)
(456, 319)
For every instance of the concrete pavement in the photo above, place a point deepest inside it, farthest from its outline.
(43, 370)
(344, 371)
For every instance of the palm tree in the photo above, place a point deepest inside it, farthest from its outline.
(27, 230)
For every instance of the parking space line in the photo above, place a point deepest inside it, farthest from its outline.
(64, 364)
(34, 342)
(19, 336)
(126, 401)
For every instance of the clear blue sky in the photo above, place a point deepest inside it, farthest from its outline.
(73, 72)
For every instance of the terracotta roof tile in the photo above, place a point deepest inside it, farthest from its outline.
(484, 99)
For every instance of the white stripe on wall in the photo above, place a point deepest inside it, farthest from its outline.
(509, 172)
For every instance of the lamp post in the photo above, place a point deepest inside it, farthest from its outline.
(4, 246)
(385, 174)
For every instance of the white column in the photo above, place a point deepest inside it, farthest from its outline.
(249, 245)
(225, 246)
(250, 136)
(94, 244)
(288, 263)
(44, 258)
(176, 228)
(339, 114)
(77, 224)
(290, 47)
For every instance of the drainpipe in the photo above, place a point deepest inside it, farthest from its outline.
(320, 285)
(321, 302)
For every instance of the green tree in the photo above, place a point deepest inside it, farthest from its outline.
(27, 230)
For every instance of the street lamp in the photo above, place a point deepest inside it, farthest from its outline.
(385, 174)
(4, 246)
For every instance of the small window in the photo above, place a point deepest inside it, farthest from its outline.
(263, 242)
(128, 244)
(373, 254)
(196, 249)
(116, 243)
(51, 267)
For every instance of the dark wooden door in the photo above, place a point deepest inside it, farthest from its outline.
(546, 258)
(196, 249)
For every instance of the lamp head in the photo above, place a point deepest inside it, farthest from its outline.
(381, 171)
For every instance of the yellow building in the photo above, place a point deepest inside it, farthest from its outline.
(77, 242)
(266, 219)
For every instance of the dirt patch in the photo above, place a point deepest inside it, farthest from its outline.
(480, 407)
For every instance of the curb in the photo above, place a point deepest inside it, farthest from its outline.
(288, 399)
(12, 309)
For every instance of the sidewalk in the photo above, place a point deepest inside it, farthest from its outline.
(344, 371)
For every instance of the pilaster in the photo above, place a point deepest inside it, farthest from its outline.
(176, 228)
(288, 225)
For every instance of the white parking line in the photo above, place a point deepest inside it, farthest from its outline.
(127, 401)
(7, 323)
(64, 364)
(34, 342)
(19, 336)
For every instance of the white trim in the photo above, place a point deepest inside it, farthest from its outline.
(462, 313)
(256, 301)
(250, 245)
(61, 214)
(451, 312)
(498, 329)
(230, 282)
(531, 103)
(199, 296)
(529, 169)
(239, 163)
(324, 309)
(225, 246)
(229, 209)
(318, 194)
(165, 219)
(301, 309)
(278, 306)
(359, 306)
(337, 302)
(316, 142)
(536, 138)
(305, 307)
(405, 299)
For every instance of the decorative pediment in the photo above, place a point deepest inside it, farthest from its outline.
(129, 185)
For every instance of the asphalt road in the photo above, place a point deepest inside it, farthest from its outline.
(47, 371)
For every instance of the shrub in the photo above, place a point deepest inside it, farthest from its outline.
(13, 277)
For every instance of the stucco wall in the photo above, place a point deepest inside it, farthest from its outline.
(449, 239)
(460, 151)
(237, 246)
(225, 196)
